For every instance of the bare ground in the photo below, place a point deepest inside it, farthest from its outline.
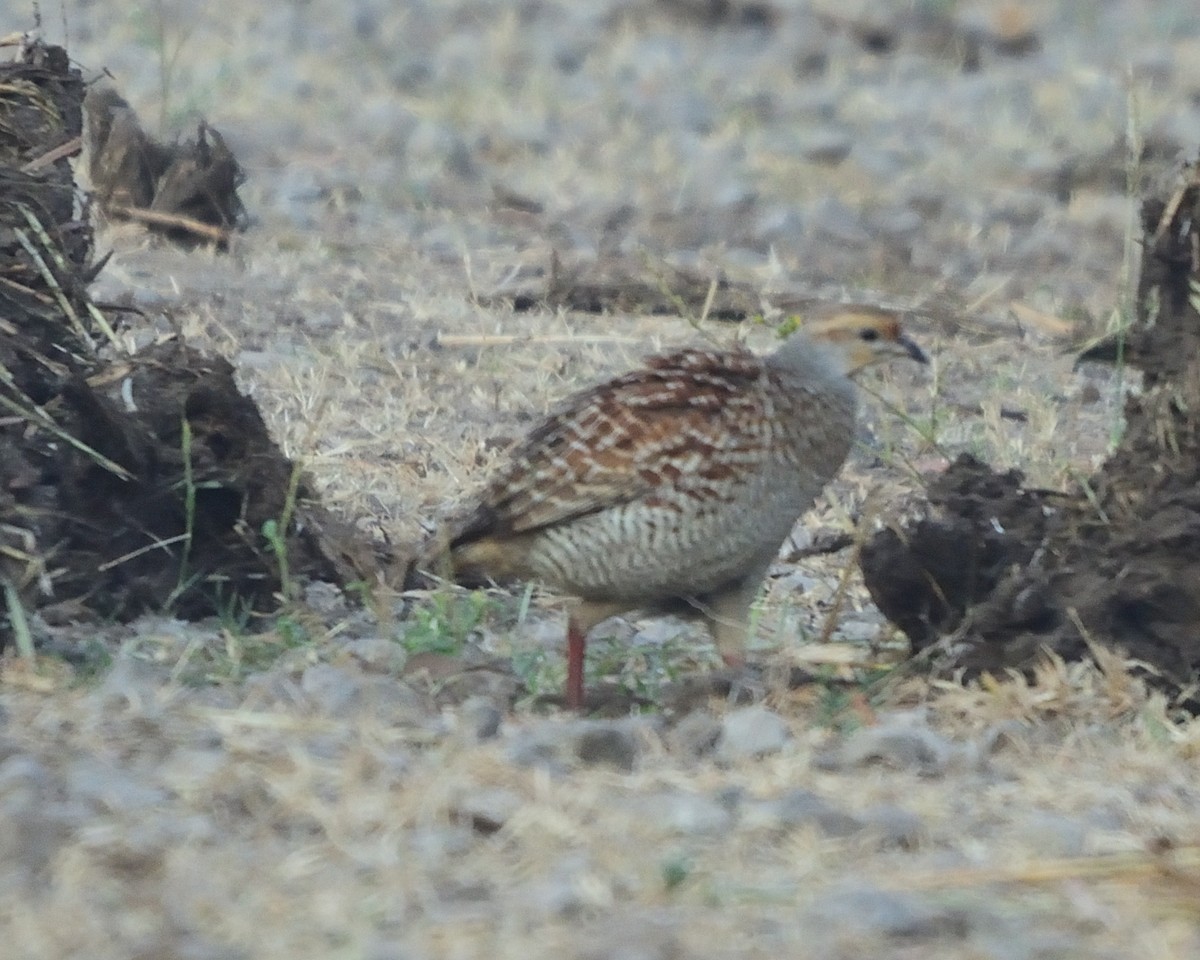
(334, 787)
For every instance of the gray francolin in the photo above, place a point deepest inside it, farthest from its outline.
(675, 484)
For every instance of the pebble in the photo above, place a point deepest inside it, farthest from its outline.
(325, 598)
(1053, 834)
(332, 690)
(342, 691)
(833, 220)
(479, 718)
(488, 809)
(864, 909)
(753, 731)
(432, 845)
(30, 830)
(387, 949)
(276, 687)
(132, 683)
(632, 937)
(858, 631)
(827, 147)
(24, 780)
(894, 826)
(109, 788)
(607, 743)
(378, 654)
(691, 814)
(560, 746)
(800, 807)
(696, 735)
(902, 743)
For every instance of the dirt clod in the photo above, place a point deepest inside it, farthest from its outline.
(925, 576)
(140, 483)
(1008, 573)
(186, 191)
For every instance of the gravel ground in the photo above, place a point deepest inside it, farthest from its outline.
(358, 783)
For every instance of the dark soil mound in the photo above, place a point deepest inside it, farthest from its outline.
(1006, 573)
(137, 483)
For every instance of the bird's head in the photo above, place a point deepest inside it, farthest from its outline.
(857, 337)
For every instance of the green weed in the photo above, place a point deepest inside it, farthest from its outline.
(445, 625)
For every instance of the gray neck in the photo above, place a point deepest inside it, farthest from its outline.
(813, 365)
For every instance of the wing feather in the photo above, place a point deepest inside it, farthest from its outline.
(625, 440)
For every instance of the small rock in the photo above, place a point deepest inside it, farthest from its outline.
(1052, 834)
(131, 684)
(110, 788)
(386, 950)
(434, 845)
(693, 814)
(610, 743)
(783, 225)
(545, 745)
(827, 147)
(1001, 737)
(489, 809)
(559, 891)
(330, 689)
(810, 60)
(631, 937)
(882, 161)
(898, 224)
(895, 826)
(696, 734)
(325, 598)
(192, 946)
(867, 910)
(479, 718)
(189, 771)
(1089, 394)
(751, 732)
(378, 654)
(858, 631)
(830, 218)
(341, 691)
(271, 688)
(297, 194)
(793, 580)
(558, 746)
(1018, 208)
(799, 807)
(904, 744)
(24, 780)
(33, 828)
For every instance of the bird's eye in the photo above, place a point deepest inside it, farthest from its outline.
(868, 334)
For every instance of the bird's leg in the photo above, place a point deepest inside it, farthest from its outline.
(728, 620)
(728, 616)
(576, 648)
(580, 621)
